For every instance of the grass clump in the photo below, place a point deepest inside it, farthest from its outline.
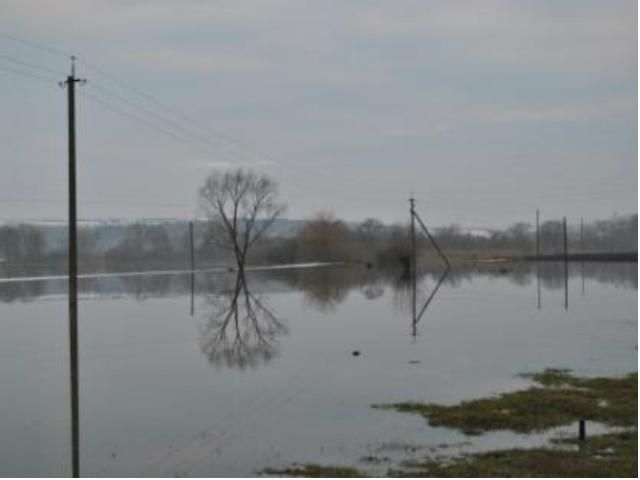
(609, 455)
(314, 470)
(561, 400)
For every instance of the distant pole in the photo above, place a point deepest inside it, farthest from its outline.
(73, 270)
(564, 229)
(191, 247)
(193, 265)
(537, 234)
(538, 255)
(582, 251)
(413, 257)
(566, 264)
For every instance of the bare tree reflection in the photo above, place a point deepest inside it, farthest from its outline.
(240, 330)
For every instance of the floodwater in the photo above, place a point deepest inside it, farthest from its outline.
(242, 375)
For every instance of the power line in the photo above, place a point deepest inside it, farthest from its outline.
(170, 123)
(170, 110)
(242, 156)
(28, 74)
(184, 132)
(238, 150)
(32, 44)
(149, 123)
(177, 130)
(23, 63)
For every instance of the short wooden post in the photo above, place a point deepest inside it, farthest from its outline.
(582, 430)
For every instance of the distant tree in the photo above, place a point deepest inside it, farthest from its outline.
(87, 241)
(325, 238)
(32, 242)
(157, 241)
(397, 248)
(551, 236)
(10, 243)
(241, 205)
(370, 231)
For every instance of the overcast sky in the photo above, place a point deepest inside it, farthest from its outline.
(484, 109)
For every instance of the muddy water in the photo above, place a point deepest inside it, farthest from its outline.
(243, 375)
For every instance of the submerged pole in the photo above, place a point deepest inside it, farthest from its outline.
(192, 265)
(538, 280)
(413, 263)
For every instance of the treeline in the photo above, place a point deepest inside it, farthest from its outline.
(326, 238)
(320, 238)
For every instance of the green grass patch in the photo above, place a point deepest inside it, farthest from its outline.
(313, 470)
(609, 455)
(562, 399)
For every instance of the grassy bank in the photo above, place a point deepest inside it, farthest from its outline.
(609, 455)
(558, 399)
(562, 399)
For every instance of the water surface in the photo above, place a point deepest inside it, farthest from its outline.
(232, 380)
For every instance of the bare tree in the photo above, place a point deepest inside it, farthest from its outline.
(242, 205)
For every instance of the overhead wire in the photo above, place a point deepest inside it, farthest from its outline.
(34, 66)
(276, 163)
(176, 130)
(238, 151)
(139, 118)
(37, 45)
(32, 75)
(193, 137)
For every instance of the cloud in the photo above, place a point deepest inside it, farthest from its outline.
(597, 110)
(357, 87)
(216, 165)
(186, 61)
(586, 36)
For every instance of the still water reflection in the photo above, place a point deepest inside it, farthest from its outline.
(240, 330)
(183, 375)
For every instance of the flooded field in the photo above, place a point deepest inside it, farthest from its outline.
(204, 375)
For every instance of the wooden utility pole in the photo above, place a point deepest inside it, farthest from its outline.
(566, 264)
(537, 234)
(538, 255)
(564, 238)
(191, 248)
(70, 83)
